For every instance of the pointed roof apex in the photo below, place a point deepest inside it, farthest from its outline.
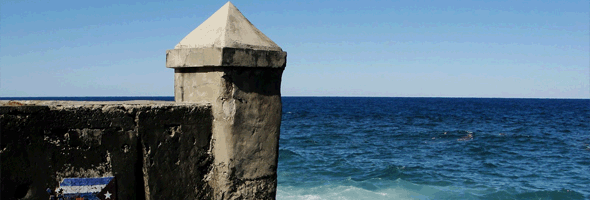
(227, 27)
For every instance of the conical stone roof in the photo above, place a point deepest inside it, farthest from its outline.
(227, 27)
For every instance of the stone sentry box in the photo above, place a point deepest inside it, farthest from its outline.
(219, 140)
(230, 64)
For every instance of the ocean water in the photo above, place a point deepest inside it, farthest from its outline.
(420, 148)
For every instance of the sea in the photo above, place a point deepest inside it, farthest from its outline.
(429, 148)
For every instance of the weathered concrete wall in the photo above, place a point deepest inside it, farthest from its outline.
(156, 150)
(246, 105)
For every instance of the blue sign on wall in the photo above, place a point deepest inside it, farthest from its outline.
(101, 188)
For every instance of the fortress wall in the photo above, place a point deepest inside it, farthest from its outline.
(155, 150)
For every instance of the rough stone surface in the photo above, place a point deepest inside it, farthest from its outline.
(175, 148)
(246, 105)
(155, 150)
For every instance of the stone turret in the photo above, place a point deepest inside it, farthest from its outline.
(230, 64)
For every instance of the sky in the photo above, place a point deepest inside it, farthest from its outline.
(499, 49)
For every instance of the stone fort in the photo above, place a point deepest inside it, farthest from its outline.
(218, 140)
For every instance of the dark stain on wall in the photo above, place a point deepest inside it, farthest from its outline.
(42, 144)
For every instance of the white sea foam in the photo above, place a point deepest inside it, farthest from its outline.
(398, 190)
(403, 190)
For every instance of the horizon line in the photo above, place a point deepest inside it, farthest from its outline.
(333, 96)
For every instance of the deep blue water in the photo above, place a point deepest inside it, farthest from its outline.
(412, 148)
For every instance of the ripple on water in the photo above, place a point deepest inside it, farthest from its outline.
(519, 148)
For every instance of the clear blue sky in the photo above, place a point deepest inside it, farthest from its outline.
(529, 49)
